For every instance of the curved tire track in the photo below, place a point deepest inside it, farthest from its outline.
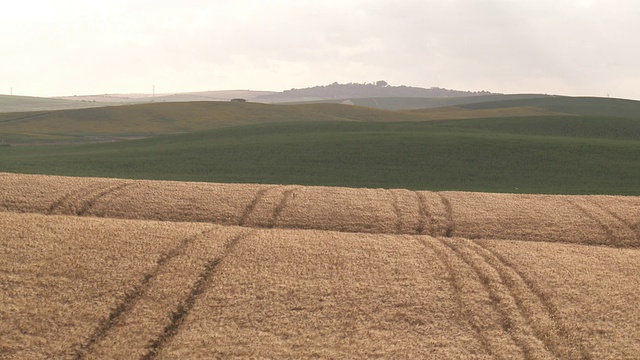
(182, 311)
(251, 207)
(91, 202)
(422, 220)
(277, 211)
(396, 210)
(532, 303)
(57, 207)
(610, 233)
(83, 199)
(450, 225)
(132, 297)
(468, 314)
(504, 302)
(627, 224)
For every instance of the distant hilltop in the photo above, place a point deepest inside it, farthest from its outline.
(378, 94)
(379, 89)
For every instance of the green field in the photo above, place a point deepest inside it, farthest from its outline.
(414, 155)
(594, 127)
(570, 146)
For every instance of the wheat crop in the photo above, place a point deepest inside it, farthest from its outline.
(596, 220)
(110, 268)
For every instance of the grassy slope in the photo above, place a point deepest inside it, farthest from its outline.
(163, 118)
(332, 144)
(395, 155)
(588, 106)
(144, 120)
(408, 103)
(14, 103)
(456, 113)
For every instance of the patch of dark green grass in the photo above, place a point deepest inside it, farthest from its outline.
(563, 126)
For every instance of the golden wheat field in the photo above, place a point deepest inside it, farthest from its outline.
(135, 269)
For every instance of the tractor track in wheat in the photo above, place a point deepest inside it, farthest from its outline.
(449, 225)
(86, 198)
(422, 219)
(251, 207)
(182, 311)
(503, 301)
(396, 210)
(58, 205)
(635, 228)
(533, 301)
(92, 201)
(583, 210)
(131, 298)
(457, 290)
(277, 210)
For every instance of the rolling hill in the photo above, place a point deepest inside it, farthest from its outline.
(586, 106)
(14, 103)
(215, 95)
(417, 103)
(322, 231)
(502, 148)
(144, 120)
(356, 91)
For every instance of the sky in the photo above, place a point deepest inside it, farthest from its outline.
(73, 47)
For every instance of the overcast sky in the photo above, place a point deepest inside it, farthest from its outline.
(571, 47)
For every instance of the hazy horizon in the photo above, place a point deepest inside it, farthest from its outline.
(72, 47)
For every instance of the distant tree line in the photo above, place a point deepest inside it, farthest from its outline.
(378, 88)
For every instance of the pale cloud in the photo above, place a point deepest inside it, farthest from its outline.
(59, 47)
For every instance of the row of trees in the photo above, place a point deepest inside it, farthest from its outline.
(378, 88)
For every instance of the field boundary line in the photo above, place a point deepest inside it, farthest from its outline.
(184, 308)
(133, 296)
(422, 217)
(454, 279)
(558, 341)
